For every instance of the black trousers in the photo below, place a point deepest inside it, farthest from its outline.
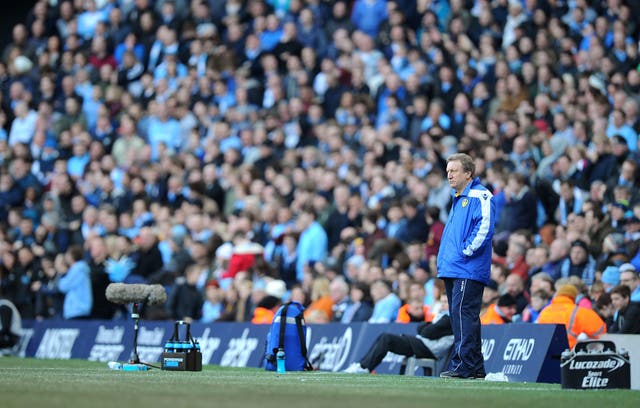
(404, 345)
(465, 297)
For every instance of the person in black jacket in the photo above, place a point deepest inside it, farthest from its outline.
(147, 257)
(416, 228)
(10, 327)
(520, 209)
(360, 306)
(626, 318)
(98, 253)
(434, 340)
(185, 299)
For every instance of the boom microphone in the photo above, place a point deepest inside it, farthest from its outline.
(124, 293)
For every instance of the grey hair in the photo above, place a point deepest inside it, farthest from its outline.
(467, 162)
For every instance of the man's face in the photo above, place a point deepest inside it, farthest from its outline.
(536, 257)
(303, 221)
(489, 295)
(416, 307)
(578, 255)
(444, 301)
(416, 292)
(415, 252)
(513, 285)
(336, 293)
(538, 303)
(541, 284)
(627, 171)
(378, 291)
(458, 178)
(629, 279)
(618, 301)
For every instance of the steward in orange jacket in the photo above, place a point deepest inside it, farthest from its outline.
(501, 312)
(265, 310)
(414, 312)
(577, 320)
(262, 315)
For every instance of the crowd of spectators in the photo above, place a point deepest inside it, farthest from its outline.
(243, 152)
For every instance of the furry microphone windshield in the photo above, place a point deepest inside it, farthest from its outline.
(124, 293)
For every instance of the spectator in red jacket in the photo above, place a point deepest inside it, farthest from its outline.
(436, 227)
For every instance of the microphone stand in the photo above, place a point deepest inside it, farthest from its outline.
(135, 315)
(134, 360)
(136, 295)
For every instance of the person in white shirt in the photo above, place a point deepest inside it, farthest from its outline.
(24, 125)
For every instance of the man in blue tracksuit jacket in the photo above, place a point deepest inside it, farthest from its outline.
(464, 263)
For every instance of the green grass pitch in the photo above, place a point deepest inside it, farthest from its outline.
(37, 383)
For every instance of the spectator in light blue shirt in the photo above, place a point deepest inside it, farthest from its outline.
(225, 137)
(83, 86)
(170, 68)
(367, 15)
(436, 116)
(23, 125)
(386, 303)
(213, 306)
(91, 106)
(393, 115)
(130, 43)
(313, 242)
(163, 129)
(89, 19)
(223, 96)
(618, 126)
(76, 286)
(270, 37)
(77, 163)
(395, 220)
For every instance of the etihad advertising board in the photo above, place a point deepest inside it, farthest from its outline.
(523, 352)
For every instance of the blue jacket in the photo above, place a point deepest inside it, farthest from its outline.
(76, 286)
(465, 249)
(386, 309)
(312, 246)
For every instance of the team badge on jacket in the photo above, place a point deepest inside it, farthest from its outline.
(465, 202)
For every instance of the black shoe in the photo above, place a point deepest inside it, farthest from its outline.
(480, 375)
(455, 374)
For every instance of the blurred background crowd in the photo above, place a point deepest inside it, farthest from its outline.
(247, 152)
